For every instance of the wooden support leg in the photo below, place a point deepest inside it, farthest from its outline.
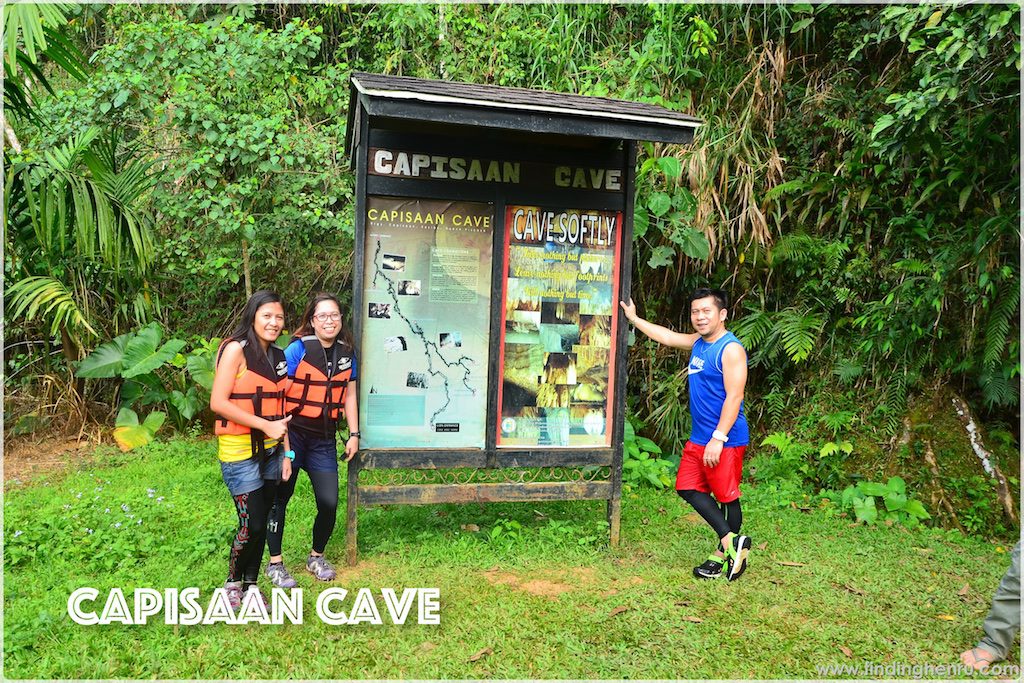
(352, 511)
(614, 510)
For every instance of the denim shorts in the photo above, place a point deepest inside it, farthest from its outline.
(246, 476)
(314, 453)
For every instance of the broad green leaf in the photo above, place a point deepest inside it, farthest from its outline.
(801, 25)
(895, 501)
(106, 360)
(897, 484)
(693, 243)
(648, 445)
(916, 510)
(661, 256)
(670, 166)
(187, 404)
(640, 223)
(870, 488)
(849, 494)
(126, 417)
(881, 124)
(200, 368)
(865, 510)
(659, 203)
(142, 355)
(154, 421)
(128, 438)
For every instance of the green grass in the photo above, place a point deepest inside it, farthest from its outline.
(546, 604)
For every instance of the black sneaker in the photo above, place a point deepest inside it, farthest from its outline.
(711, 569)
(737, 561)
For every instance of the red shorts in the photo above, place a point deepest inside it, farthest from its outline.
(722, 480)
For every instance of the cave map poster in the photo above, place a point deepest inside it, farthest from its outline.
(559, 320)
(425, 339)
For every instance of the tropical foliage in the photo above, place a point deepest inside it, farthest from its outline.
(855, 183)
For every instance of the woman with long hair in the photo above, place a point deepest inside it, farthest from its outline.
(322, 368)
(252, 432)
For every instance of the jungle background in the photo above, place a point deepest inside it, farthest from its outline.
(855, 186)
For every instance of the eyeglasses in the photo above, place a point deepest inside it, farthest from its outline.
(324, 317)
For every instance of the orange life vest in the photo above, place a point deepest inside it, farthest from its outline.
(259, 390)
(312, 393)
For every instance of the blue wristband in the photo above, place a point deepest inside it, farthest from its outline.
(290, 455)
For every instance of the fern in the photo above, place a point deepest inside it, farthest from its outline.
(895, 402)
(997, 390)
(753, 329)
(799, 331)
(780, 441)
(848, 370)
(997, 331)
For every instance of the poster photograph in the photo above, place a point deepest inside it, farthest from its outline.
(427, 267)
(558, 327)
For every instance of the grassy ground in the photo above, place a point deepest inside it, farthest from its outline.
(546, 598)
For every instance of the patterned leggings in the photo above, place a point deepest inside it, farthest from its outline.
(247, 549)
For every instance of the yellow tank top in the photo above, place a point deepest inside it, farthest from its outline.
(238, 447)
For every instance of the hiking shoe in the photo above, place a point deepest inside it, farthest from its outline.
(711, 569)
(233, 589)
(738, 551)
(319, 567)
(260, 596)
(279, 576)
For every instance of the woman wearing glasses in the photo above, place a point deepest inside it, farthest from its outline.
(322, 368)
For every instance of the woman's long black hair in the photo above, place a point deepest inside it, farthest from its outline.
(244, 330)
(306, 322)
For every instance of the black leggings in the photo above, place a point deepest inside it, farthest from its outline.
(325, 490)
(247, 549)
(723, 517)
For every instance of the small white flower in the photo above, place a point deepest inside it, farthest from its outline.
(67, 506)
(117, 525)
(107, 511)
(139, 522)
(17, 533)
(88, 530)
(150, 491)
(150, 495)
(124, 507)
(159, 499)
(78, 495)
(131, 516)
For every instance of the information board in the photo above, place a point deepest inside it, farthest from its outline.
(425, 342)
(558, 328)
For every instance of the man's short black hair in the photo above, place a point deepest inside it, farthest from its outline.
(720, 295)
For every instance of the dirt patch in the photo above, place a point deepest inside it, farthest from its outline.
(534, 586)
(546, 589)
(27, 459)
(499, 578)
(347, 574)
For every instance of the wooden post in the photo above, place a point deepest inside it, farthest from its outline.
(352, 508)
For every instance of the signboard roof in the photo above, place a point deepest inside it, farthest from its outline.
(517, 108)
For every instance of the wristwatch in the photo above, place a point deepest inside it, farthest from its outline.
(724, 438)
(290, 455)
(355, 434)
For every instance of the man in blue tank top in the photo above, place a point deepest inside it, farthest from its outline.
(712, 460)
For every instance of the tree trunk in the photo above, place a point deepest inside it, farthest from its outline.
(245, 269)
(987, 461)
(71, 354)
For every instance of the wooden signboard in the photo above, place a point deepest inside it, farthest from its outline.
(493, 238)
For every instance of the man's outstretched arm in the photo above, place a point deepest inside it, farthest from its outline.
(660, 334)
